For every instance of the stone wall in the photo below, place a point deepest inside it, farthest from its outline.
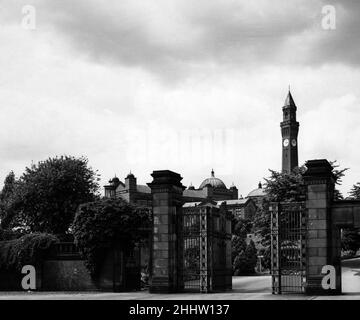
(65, 270)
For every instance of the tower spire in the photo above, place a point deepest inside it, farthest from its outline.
(289, 101)
(212, 173)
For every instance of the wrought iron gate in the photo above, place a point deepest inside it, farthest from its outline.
(288, 245)
(205, 248)
(191, 250)
(195, 250)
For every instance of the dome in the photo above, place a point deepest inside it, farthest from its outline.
(259, 192)
(212, 181)
(114, 181)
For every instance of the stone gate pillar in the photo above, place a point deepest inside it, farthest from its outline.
(166, 189)
(319, 181)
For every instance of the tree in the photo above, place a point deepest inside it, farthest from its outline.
(350, 238)
(99, 225)
(47, 195)
(238, 246)
(285, 187)
(242, 227)
(245, 261)
(7, 195)
(289, 187)
(355, 191)
(261, 227)
(338, 174)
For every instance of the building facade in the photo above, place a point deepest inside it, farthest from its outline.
(211, 188)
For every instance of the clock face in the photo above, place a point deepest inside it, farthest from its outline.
(293, 142)
(286, 142)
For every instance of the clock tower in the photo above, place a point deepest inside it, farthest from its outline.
(289, 132)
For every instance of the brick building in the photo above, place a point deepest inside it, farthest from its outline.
(211, 188)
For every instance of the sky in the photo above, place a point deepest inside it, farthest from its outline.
(138, 85)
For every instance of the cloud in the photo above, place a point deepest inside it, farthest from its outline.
(98, 79)
(173, 39)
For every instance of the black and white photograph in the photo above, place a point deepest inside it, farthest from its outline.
(179, 150)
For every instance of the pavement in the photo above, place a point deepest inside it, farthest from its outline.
(244, 288)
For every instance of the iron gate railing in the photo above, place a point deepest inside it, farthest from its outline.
(205, 248)
(195, 249)
(288, 247)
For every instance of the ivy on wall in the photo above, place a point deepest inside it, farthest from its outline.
(28, 249)
(100, 225)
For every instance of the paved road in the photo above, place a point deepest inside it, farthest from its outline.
(350, 276)
(244, 288)
(252, 284)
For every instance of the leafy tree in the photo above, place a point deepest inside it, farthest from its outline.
(350, 240)
(355, 191)
(285, 187)
(245, 261)
(242, 227)
(350, 237)
(261, 227)
(46, 196)
(238, 246)
(290, 187)
(7, 197)
(100, 225)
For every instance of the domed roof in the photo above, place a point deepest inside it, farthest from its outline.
(214, 182)
(114, 181)
(259, 192)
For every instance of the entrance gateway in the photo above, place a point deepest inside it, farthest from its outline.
(191, 246)
(305, 236)
(288, 247)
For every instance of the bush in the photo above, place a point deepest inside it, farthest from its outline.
(100, 225)
(245, 262)
(29, 249)
(6, 235)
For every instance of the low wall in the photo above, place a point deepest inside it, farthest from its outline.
(65, 270)
(66, 275)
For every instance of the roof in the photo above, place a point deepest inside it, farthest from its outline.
(233, 202)
(259, 192)
(191, 204)
(143, 188)
(193, 193)
(206, 202)
(218, 203)
(289, 101)
(214, 182)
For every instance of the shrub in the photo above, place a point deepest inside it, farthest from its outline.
(29, 249)
(102, 224)
(245, 262)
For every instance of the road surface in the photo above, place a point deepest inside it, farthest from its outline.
(350, 275)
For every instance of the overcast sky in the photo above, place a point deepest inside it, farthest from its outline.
(183, 85)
